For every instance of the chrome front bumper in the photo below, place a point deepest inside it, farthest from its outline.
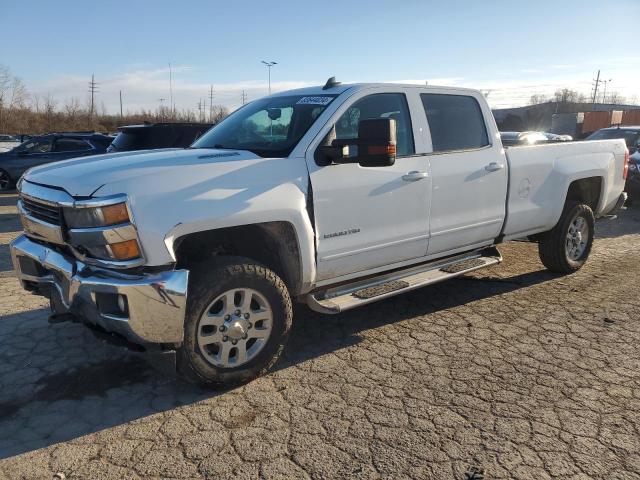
(155, 303)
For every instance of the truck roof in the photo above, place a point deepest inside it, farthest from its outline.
(343, 87)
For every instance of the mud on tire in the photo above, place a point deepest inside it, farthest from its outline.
(207, 283)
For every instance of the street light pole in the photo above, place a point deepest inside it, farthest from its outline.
(269, 65)
(604, 94)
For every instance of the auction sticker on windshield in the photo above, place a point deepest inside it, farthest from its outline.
(314, 101)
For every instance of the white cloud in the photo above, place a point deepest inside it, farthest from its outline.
(143, 89)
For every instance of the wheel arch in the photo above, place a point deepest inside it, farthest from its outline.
(588, 190)
(274, 244)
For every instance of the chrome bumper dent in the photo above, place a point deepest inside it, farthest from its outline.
(156, 303)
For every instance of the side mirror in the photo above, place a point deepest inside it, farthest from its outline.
(375, 145)
(377, 142)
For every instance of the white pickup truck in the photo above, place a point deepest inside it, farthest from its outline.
(334, 196)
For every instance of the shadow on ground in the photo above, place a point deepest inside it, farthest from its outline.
(58, 382)
(626, 223)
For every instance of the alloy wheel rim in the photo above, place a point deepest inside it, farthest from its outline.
(235, 327)
(577, 238)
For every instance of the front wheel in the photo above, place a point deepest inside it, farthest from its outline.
(237, 323)
(5, 181)
(566, 247)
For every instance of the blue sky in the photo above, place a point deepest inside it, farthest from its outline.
(511, 48)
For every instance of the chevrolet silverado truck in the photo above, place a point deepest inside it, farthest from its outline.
(335, 196)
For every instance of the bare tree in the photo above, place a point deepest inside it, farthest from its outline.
(566, 95)
(538, 98)
(615, 98)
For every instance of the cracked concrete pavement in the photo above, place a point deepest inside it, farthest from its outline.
(512, 371)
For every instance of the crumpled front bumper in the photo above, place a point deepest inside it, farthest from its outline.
(155, 303)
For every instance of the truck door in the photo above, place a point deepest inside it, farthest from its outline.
(367, 217)
(469, 173)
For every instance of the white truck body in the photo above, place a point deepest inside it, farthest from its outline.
(349, 221)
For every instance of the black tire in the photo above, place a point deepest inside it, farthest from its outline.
(211, 280)
(552, 246)
(6, 183)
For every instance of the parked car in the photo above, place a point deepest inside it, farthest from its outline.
(633, 180)
(631, 136)
(336, 196)
(554, 137)
(522, 138)
(149, 136)
(46, 149)
(8, 142)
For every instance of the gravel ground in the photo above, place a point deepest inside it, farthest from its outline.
(510, 371)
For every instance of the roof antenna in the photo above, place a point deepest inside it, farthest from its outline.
(331, 83)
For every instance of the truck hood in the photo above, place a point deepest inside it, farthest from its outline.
(84, 177)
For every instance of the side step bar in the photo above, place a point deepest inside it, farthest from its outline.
(351, 295)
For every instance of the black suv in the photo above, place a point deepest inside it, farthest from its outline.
(48, 148)
(149, 136)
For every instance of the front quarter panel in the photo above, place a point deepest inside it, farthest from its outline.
(202, 197)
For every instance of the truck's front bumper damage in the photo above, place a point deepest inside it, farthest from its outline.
(146, 309)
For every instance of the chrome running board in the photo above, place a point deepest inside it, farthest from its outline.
(351, 295)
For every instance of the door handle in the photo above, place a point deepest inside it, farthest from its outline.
(414, 176)
(494, 167)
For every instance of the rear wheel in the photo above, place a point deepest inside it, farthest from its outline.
(5, 181)
(238, 320)
(566, 248)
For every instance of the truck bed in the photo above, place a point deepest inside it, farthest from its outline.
(540, 176)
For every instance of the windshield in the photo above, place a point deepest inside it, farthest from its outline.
(269, 127)
(630, 136)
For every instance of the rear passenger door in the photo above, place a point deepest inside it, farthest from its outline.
(70, 148)
(468, 170)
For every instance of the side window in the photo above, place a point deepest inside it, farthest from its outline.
(379, 105)
(455, 122)
(36, 146)
(71, 145)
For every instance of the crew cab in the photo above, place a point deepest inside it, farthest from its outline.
(333, 196)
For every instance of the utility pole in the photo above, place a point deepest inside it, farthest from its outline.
(200, 110)
(121, 104)
(211, 104)
(595, 90)
(172, 106)
(269, 65)
(93, 88)
(244, 97)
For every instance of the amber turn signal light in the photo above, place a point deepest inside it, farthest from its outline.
(382, 150)
(125, 250)
(114, 214)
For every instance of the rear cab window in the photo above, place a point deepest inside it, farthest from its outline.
(455, 122)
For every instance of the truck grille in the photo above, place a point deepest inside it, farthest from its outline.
(41, 211)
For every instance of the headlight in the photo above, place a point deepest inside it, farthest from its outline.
(97, 216)
(103, 232)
